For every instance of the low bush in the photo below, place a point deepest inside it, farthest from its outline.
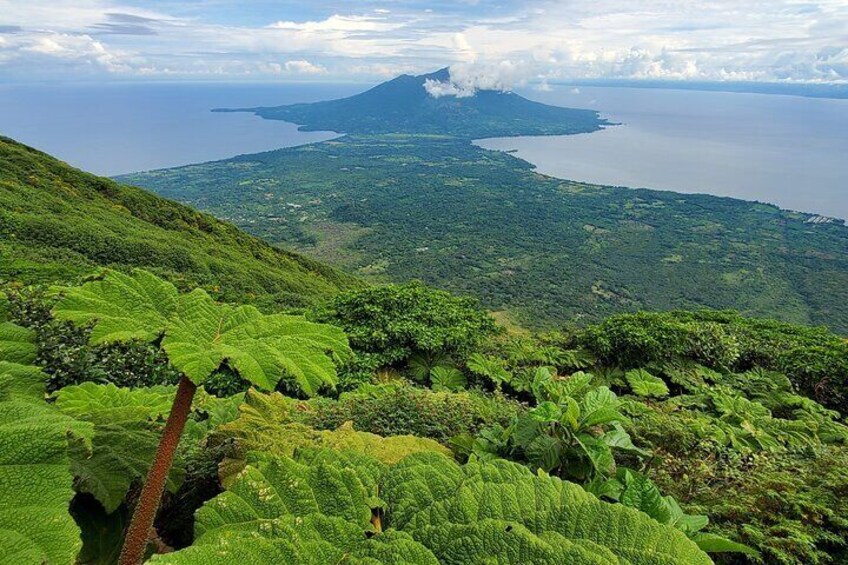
(408, 410)
(815, 359)
(386, 325)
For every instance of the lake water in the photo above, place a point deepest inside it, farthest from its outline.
(121, 128)
(787, 150)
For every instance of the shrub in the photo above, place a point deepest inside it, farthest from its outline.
(386, 325)
(68, 358)
(402, 410)
(813, 358)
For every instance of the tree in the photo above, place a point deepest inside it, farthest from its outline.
(198, 336)
(389, 324)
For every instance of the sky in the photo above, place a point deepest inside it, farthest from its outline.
(487, 43)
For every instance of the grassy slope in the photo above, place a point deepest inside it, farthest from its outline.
(58, 224)
(396, 207)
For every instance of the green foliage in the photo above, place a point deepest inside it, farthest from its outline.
(102, 533)
(58, 224)
(201, 335)
(447, 378)
(815, 360)
(387, 325)
(774, 484)
(405, 410)
(544, 251)
(574, 430)
(35, 476)
(265, 424)
(638, 491)
(490, 368)
(435, 511)
(67, 356)
(644, 383)
(423, 364)
(127, 424)
(17, 344)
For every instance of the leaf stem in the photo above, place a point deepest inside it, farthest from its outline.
(138, 533)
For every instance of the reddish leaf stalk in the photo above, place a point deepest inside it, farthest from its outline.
(151, 493)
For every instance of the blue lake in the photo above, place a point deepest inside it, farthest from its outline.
(110, 129)
(786, 150)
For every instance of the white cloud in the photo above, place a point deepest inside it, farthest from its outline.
(489, 45)
(304, 67)
(467, 78)
(338, 23)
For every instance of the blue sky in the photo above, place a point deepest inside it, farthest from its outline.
(499, 43)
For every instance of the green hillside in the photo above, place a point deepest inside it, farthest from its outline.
(59, 224)
(548, 251)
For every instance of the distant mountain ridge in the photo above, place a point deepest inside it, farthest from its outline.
(403, 105)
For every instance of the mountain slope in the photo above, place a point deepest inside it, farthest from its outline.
(58, 223)
(403, 105)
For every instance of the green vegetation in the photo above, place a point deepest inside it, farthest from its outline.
(400, 424)
(815, 360)
(392, 326)
(394, 208)
(58, 224)
(198, 336)
(403, 105)
(430, 510)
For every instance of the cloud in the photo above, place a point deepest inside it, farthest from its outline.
(304, 67)
(438, 89)
(495, 44)
(467, 78)
(339, 23)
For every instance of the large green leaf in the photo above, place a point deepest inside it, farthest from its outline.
(644, 383)
(641, 493)
(17, 344)
(447, 378)
(263, 349)
(600, 406)
(200, 334)
(450, 499)
(127, 425)
(319, 508)
(35, 479)
(4, 307)
(281, 511)
(121, 307)
(107, 403)
(264, 424)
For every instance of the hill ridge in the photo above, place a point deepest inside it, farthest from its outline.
(58, 224)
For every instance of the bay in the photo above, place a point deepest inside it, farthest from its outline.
(116, 128)
(785, 150)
